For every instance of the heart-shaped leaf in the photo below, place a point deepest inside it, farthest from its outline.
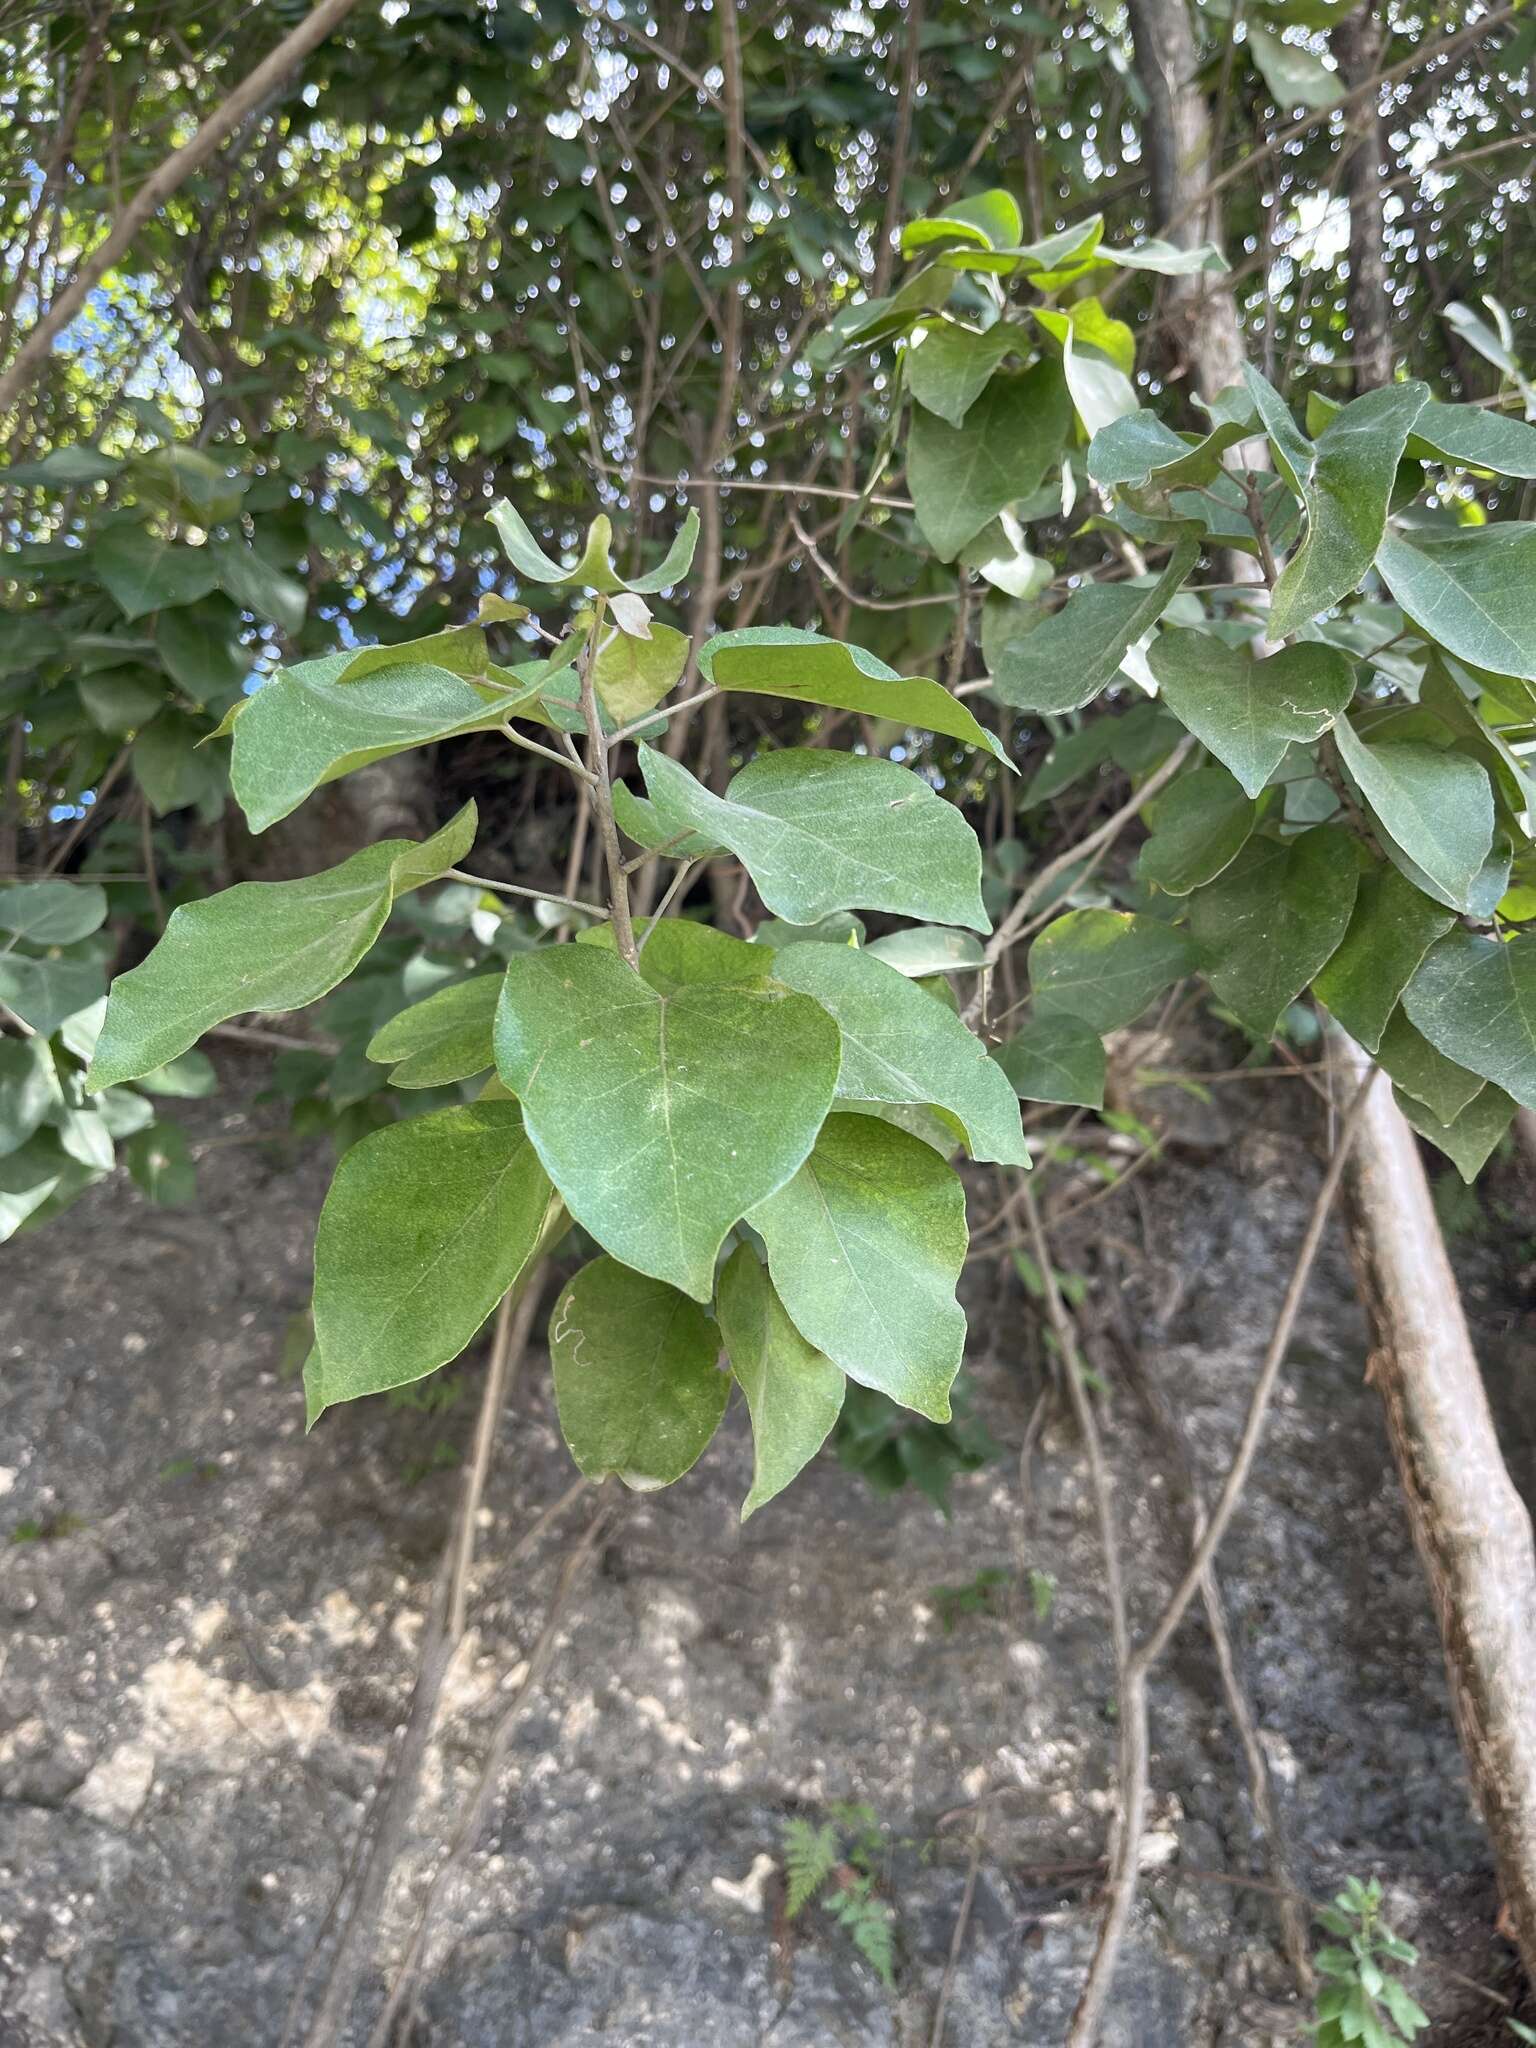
(820, 831)
(661, 1119)
(427, 1224)
(1474, 999)
(637, 1380)
(1249, 711)
(1269, 924)
(899, 1045)
(865, 1245)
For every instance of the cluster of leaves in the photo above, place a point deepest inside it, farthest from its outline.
(757, 1134)
(438, 258)
(1355, 819)
(140, 643)
(676, 1092)
(55, 1141)
(1362, 1998)
(838, 1863)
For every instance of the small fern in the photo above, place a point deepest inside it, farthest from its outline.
(810, 1857)
(869, 1924)
(838, 1862)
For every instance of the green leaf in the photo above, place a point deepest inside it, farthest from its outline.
(1392, 928)
(679, 953)
(1474, 436)
(52, 913)
(960, 477)
(1474, 999)
(1433, 803)
(65, 468)
(189, 484)
(190, 1077)
(1105, 966)
(1473, 591)
(1138, 452)
(633, 675)
(201, 647)
(1344, 480)
(593, 567)
(312, 723)
(169, 768)
(123, 1110)
(1055, 1058)
(28, 1177)
(1166, 259)
(1071, 656)
(85, 1138)
(1247, 711)
(928, 949)
(811, 1854)
(46, 989)
(161, 1162)
(1428, 1076)
(637, 1379)
(256, 586)
(261, 946)
(990, 220)
(446, 1038)
(1100, 389)
(949, 366)
(29, 1090)
(794, 1393)
(1408, 2016)
(426, 1226)
(1200, 824)
(820, 831)
(1269, 924)
(806, 669)
(661, 1119)
(144, 573)
(122, 700)
(460, 649)
(865, 1246)
(899, 1045)
(674, 564)
(1294, 76)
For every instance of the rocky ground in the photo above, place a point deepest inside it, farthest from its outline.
(208, 1627)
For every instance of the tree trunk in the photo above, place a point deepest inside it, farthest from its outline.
(1180, 143)
(1470, 1526)
(1357, 43)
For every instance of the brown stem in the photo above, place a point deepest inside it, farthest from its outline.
(1125, 1855)
(379, 1846)
(602, 795)
(1010, 928)
(468, 1831)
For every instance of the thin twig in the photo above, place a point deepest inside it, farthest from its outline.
(602, 796)
(962, 1921)
(475, 1812)
(1008, 931)
(517, 889)
(88, 818)
(669, 897)
(390, 1813)
(1125, 1857)
(521, 739)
